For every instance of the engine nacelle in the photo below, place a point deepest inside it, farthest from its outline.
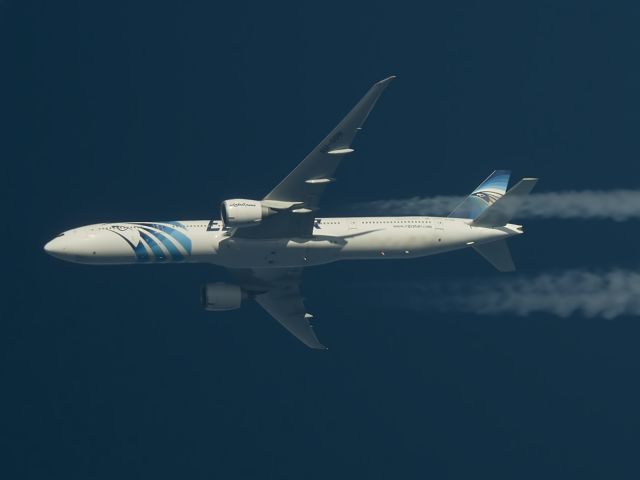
(240, 212)
(222, 296)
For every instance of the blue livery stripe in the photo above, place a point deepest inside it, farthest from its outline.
(166, 241)
(139, 250)
(141, 253)
(155, 248)
(180, 237)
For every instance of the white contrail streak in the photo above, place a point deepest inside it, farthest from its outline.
(616, 205)
(608, 294)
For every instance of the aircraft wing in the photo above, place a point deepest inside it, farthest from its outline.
(277, 290)
(298, 195)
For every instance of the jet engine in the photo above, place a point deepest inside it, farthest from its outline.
(240, 212)
(222, 296)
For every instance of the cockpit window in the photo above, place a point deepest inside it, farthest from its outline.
(60, 235)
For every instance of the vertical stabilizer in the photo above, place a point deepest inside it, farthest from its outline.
(487, 193)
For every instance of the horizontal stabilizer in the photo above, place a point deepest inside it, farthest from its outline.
(497, 254)
(505, 208)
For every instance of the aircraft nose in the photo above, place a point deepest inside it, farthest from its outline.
(55, 247)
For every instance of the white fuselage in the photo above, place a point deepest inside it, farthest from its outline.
(333, 239)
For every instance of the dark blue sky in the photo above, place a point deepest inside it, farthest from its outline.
(158, 110)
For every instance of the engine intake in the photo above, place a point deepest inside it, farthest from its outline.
(222, 296)
(240, 212)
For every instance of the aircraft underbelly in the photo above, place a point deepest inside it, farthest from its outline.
(407, 242)
(275, 253)
(389, 243)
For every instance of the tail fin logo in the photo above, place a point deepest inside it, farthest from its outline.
(487, 193)
(489, 197)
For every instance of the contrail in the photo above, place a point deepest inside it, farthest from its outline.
(618, 205)
(607, 294)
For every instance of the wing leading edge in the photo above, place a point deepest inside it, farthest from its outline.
(278, 292)
(288, 309)
(304, 186)
(308, 180)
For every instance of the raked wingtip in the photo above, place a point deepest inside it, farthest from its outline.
(386, 80)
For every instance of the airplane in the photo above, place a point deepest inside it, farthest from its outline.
(266, 244)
